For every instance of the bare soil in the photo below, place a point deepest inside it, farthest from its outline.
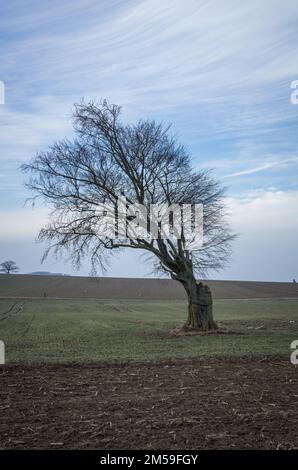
(28, 286)
(208, 403)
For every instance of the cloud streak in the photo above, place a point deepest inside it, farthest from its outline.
(264, 167)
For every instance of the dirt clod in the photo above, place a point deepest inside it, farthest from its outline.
(207, 403)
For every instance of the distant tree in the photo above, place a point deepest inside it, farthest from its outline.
(144, 163)
(8, 267)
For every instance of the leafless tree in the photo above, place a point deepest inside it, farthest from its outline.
(8, 267)
(143, 162)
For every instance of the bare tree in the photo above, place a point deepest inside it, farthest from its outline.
(144, 163)
(8, 267)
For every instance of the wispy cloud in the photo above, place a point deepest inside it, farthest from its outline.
(213, 67)
(266, 166)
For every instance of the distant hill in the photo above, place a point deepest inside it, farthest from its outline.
(20, 285)
(45, 273)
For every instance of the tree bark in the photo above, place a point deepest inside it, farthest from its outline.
(200, 306)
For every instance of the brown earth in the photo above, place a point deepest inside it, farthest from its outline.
(210, 403)
(126, 288)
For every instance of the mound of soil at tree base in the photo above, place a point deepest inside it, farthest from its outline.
(208, 403)
(184, 331)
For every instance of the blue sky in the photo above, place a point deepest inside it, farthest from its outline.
(219, 70)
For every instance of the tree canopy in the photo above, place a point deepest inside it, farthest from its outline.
(142, 161)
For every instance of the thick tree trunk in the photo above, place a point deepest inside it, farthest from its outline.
(200, 307)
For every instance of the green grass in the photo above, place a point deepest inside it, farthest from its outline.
(80, 330)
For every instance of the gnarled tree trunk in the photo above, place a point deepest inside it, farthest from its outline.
(200, 306)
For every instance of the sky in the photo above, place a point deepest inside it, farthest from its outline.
(220, 71)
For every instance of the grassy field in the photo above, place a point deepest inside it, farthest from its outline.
(243, 397)
(83, 330)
